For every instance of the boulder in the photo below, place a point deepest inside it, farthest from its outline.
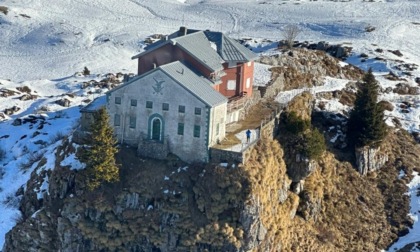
(12, 110)
(63, 102)
(405, 89)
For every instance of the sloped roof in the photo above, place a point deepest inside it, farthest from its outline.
(229, 49)
(198, 44)
(198, 86)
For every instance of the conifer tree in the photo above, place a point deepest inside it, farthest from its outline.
(366, 124)
(100, 156)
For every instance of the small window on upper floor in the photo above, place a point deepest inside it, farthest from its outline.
(149, 104)
(231, 85)
(117, 100)
(217, 129)
(197, 111)
(181, 109)
(165, 106)
(249, 63)
(133, 103)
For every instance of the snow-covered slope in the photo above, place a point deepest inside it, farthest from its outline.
(43, 43)
(45, 39)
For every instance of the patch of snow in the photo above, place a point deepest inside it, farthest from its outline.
(166, 178)
(262, 74)
(414, 233)
(401, 174)
(334, 138)
(73, 162)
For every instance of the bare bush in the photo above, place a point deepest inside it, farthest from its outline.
(2, 154)
(33, 158)
(57, 137)
(4, 10)
(290, 33)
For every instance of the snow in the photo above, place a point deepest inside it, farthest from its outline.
(262, 74)
(72, 162)
(46, 49)
(414, 234)
(244, 143)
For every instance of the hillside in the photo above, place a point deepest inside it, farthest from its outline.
(45, 47)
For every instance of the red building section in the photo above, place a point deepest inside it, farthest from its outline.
(232, 78)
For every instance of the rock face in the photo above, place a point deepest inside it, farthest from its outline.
(251, 221)
(300, 68)
(369, 159)
(300, 168)
(157, 206)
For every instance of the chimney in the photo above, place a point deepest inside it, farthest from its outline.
(182, 31)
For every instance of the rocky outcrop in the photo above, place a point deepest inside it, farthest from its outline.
(370, 159)
(300, 168)
(300, 68)
(251, 221)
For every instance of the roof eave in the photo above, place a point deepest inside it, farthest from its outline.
(150, 50)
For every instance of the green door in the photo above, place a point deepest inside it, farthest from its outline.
(156, 129)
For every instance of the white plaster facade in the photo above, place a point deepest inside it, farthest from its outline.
(151, 107)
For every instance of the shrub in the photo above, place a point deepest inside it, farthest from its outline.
(296, 125)
(4, 10)
(86, 71)
(314, 144)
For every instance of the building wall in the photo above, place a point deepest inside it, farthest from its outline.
(239, 75)
(186, 146)
(217, 124)
(86, 120)
(248, 72)
(167, 54)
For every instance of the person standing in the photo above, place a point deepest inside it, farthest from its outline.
(248, 135)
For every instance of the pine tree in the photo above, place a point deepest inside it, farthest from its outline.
(100, 156)
(366, 124)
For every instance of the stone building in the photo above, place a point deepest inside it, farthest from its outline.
(181, 99)
(168, 109)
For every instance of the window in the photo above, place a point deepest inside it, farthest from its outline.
(249, 63)
(181, 109)
(196, 130)
(165, 106)
(180, 129)
(231, 85)
(117, 120)
(217, 129)
(117, 100)
(133, 103)
(132, 122)
(248, 82)
(149, 104)
(197, 111)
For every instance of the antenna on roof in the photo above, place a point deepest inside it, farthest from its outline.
(221, 25)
